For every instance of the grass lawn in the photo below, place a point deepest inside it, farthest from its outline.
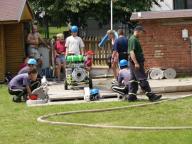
(53, 31)
(18, 123)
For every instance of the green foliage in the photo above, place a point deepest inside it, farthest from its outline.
(59, 11)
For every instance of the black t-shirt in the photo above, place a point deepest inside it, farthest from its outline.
(121, 45)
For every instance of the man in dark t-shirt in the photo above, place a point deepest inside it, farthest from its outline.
(137, 72)
(120, 46)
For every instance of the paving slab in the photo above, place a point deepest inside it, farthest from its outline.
(140, 97)
(57, 92)
(169, 88)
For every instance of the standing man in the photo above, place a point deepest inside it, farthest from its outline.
(120, 46)
(33, 40)
(74, 44)
(114, 56)
(137, 72)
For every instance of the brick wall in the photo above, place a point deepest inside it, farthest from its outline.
(164, 47)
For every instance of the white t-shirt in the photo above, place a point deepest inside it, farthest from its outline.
(73, 45)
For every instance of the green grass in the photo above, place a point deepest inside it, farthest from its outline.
(53, 31)
(18, 123)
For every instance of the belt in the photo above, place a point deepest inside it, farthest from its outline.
(123, 53)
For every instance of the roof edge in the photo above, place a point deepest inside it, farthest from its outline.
(135, 16)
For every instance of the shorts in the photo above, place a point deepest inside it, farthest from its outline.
(60, 59)
(33, 52)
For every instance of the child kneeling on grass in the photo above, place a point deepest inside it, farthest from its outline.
(22, 85)
(122, 87)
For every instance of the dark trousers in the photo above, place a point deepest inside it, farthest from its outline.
(23, 92)
(138, 77)
(123, 56)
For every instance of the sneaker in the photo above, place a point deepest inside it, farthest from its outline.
(153, 97)
(132, 98)
(16, 99)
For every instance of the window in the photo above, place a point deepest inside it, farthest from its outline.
(182, 4)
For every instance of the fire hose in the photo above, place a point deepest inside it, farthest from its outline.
(43, 119)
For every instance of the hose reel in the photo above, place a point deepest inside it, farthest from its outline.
(79, 74)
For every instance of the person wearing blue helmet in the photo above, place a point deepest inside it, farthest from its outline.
(74, 44)
(31, 63)
(122, 86)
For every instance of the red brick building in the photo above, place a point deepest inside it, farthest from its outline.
(163, 43)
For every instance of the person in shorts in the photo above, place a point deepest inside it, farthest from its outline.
(60, 51)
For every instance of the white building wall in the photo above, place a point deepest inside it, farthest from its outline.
(165, 5)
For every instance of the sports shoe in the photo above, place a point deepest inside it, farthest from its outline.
(153, 97)
(16, 99)
(132, 98)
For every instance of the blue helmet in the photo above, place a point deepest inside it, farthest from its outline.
(123, 63)
(94, 91)
(32, 61)
(74, 29)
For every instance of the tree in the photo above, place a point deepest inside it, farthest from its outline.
(59, 12)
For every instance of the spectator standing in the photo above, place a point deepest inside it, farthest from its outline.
(60, 51)
(120, 46)
(114, 56)
(74, 44)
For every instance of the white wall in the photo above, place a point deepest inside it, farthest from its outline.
(165, 5)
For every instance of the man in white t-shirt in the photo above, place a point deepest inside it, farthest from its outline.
(74, 44)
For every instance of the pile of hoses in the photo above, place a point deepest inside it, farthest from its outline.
(43, 119)
(158, 73)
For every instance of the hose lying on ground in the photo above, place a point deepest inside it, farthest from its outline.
(43, 119)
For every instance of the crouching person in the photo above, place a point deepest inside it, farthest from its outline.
(22, 85)
(122, 87)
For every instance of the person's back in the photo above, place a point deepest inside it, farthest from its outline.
(121, 44)
(19, 81)
(124, 75)
(123, 79)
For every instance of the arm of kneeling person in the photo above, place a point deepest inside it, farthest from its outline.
(28, 90)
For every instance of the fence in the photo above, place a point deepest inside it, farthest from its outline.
(101, 54)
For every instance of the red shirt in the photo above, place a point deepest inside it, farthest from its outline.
(89, 62)
(60, 47)
(22, 66)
